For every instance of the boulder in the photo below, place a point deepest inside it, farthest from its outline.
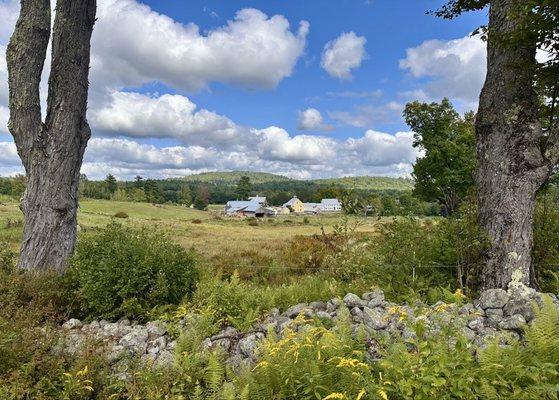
(352, 300)
(72, 323)
(493, 298)
(513, 323)
(521, 306)
(374, 319)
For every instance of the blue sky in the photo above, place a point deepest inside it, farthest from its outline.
(390, 27)
(302, 88)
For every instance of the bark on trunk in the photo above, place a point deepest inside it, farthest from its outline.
(51, 152)
(511, 166)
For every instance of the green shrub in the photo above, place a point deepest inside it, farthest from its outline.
(240, 303)
(121, 214)
(252, 222)
(126, 272)
(427, 367)
(314, 363)
(545, 254)
(7, 259)
(524, 371)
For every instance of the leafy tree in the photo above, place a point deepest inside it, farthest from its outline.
(244, 188)
(202, 197)
(152, 191)
(445, 173)
(111, 183)
(516, 152)
(185, 196)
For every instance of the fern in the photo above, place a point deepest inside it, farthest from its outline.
(214, 374)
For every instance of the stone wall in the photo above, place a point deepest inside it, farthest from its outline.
(496, 314)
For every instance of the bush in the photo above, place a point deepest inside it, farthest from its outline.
(124, 272)
(196, 221)
(252, 222)
(121, 214)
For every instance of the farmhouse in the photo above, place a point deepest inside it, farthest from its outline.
(330, 205)
(295, 205)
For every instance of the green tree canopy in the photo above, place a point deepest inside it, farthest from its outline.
(445, 172)
(244, 188)
(110, 182)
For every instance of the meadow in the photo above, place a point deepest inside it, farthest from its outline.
(224, 241)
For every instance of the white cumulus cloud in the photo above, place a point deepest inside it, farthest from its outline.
(166, 116)
(454, 68)
(276, 144)
(133, 44)
(311, 119)
(382, 149)
(342, 55)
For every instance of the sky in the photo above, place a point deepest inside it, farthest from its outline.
(306, 89)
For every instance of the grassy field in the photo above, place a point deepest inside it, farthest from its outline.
(216, 238)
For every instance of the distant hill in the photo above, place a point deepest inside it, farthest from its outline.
(233, 177)
(357, 182)
(368, 182)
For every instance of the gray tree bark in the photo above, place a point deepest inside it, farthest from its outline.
(51, 151)
(512, 164)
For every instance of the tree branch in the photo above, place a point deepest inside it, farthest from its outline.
(25, 58)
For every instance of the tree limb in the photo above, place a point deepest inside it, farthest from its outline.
(25, 58)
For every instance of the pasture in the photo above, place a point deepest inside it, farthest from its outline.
(223, 241)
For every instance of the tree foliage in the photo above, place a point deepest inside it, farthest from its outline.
(445, 173)
(244, 188)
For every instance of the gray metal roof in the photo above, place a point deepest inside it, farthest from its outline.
(330, 201)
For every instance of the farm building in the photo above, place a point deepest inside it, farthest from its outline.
(312, 208)
(330, 205)
(295, 205)
(259, 199)
(247, 209)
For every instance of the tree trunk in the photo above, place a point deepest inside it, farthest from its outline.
(511, 166)
(51, 152)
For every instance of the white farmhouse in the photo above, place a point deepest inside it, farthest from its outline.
(330, 205)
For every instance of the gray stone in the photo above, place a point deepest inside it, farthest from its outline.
(294, 311)
(135, 340)
(466, 309)
(476, 324)
(323, 315)
(357, 314)
(374, 318)
(155, 329)
(494, 312)
(521, 306)
(333, 305)
(116, 353)
(374, 298)
(493, 298)
(318, 306)
(157, 345)
(165, 359)
(513, 323)
(72, 323)
(248, 344)
(352, 300)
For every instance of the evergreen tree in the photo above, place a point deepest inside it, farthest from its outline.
(244, 188)
(111, 184)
